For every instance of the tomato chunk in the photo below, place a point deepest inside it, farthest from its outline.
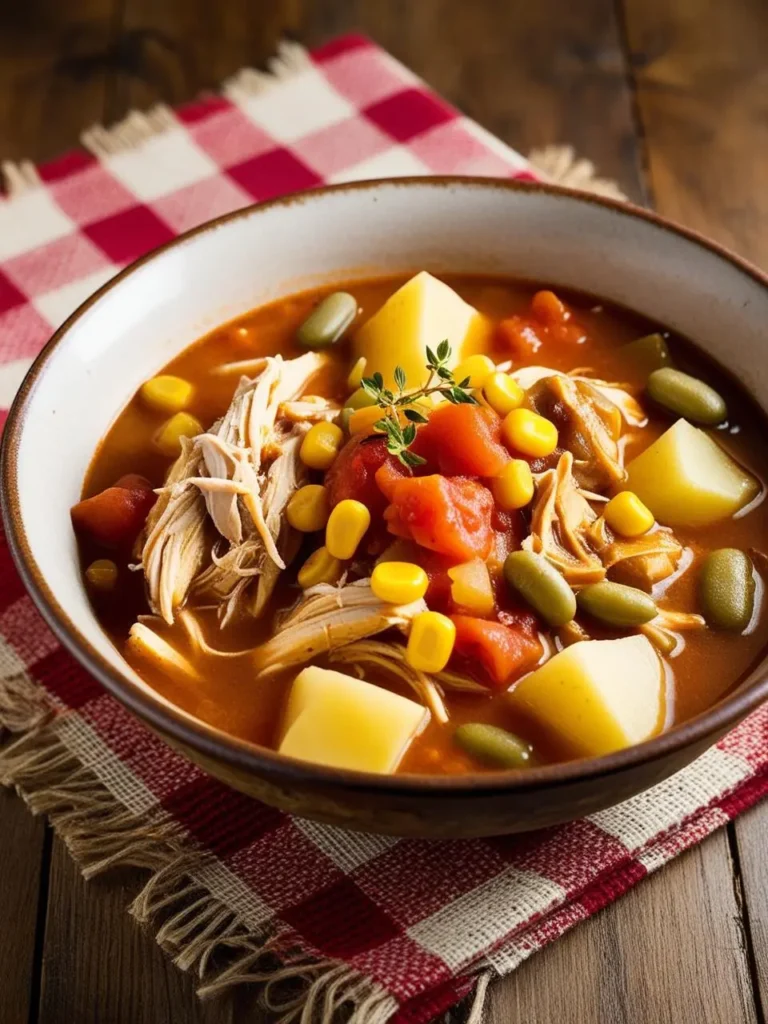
(353, 474)
(388, 474)
(503, 651)
(464, 440)
(114, 518)
(449, 515)
(550, 322)
(134, 482)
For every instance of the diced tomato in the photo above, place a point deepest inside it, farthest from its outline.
(353, 473)
(550, 322)
(521, 337)
(449, 515)
(134, 482)
(509, 529)
(503, 651)
(520, 619)
(115, 517)
(549, 309)
(465, 440)
(388, 474)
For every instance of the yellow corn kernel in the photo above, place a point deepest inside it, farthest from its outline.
(356, 374)
(529, 433)
(502, 393)
(346, 527)
(399, 582)
(183, 424)
(102, 574)
(307, 510)
(320, 567)
(321, 445)
(627, 515)
(431, 641)
(477, 368)
(513, 487)
(361, 421)
(167, 393)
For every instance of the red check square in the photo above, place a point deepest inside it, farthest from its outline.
(130, 234)
(10, 295)
(409, 113)
(273, 174)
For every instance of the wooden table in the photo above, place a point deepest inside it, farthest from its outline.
(670, 97)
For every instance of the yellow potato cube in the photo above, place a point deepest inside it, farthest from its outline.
(423, 312)
(336, 720)
(597, 696)
(686, 479)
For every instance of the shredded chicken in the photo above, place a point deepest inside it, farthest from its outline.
(631, 410)
(173, 545)
(589, 427)
(222, 472)
(330, 617)
(663, 629)
(390, 658)
(560, 520)
(640, 562)
(309, 409)
(148, 645)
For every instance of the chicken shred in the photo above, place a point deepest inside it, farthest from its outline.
(560, 520)
(639, 562)
(327, 618)
(222, 472)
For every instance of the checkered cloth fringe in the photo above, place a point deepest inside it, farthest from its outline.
(240, 891)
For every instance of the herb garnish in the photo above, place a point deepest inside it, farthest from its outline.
(439, 382)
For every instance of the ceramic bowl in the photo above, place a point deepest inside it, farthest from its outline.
(148, 313)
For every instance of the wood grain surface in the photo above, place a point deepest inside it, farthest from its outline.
(669, 97)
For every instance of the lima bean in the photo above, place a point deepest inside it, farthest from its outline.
(727, 589)
(686, 396)
(328, 321)
(616, 604)
(541, 585)
(648, 353)
(494, 745)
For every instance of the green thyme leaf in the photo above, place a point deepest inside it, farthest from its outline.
(400, 378)
(443, 351)
(411, 459)
(444, 373)
(414, 416)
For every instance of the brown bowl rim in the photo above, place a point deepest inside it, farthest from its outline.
(246, 756)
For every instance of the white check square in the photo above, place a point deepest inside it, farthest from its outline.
(165, 163)
(30, 220)
(304, 104)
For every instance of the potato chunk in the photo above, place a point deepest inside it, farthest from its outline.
(421, 313)
(597, 696)
(686, 479)
(336, 720)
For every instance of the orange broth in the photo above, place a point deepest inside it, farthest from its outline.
(230, 698)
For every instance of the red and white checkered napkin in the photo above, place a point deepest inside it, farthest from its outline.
(406, 925)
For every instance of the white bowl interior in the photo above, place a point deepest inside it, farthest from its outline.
(173, 298)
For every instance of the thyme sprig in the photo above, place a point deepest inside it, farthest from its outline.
(440, 381)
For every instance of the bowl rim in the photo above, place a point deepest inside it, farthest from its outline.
(243, 755)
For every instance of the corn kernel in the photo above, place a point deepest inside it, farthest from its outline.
(513, 487)
(320, 567)
(307, 510)
(503, 393)
(346, 527)
(183, 424)
(430, 643)
(399, 582)
(102, 574)
(529, 433)
(627, 515)
(167, 393)
(477, 368)
(361, 421)
(356, 374)
(321, 445)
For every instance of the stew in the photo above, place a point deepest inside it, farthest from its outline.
(439, 526)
